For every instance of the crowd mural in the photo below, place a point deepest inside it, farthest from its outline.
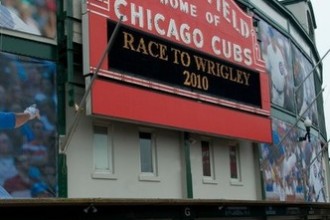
(28, 154)
(292, 84)
(292, 170)
(36, 17)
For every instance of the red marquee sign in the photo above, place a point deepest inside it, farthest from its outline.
(217, 28)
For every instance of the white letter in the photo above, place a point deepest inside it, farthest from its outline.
(184, 33)
(225, 9)
(184, 7)
(247, 54)
(237, 53)
(245, 29)
(117, 4)
(159, 17)
(172, 30)
(216, 40)
(193, 10)
(137, 14)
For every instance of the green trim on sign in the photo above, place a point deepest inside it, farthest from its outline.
(27, 47)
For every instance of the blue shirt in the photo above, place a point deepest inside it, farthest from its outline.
(7, 120)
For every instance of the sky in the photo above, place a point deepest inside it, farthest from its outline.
(322, 38)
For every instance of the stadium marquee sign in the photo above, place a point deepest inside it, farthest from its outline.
(152, 58)
(193, 65)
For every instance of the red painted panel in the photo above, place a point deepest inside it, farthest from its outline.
(140, 105)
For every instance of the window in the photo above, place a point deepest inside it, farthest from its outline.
(146, 152)
(206, 158)
(207, 162)
(148, 156)
(102, 152)
(234, 162)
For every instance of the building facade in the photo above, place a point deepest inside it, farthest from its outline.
(170, 100)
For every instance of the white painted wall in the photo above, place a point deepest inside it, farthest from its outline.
(170, 159)
(222, 187)
(126, 165)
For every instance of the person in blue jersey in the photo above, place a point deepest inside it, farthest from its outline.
(11, 120)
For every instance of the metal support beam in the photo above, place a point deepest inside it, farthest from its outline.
(66, 141)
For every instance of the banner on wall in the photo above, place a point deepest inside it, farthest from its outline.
(181, 52)
(305, 94)
(33, 17)
(28, 167)
(288, 67)
(293, 171)
(276, 51)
